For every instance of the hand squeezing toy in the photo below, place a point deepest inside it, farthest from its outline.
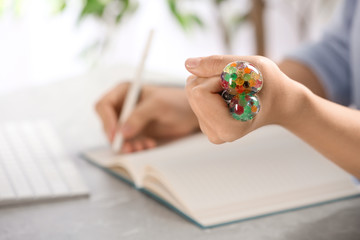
(241, 81)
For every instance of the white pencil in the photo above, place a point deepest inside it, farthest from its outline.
(132, 95)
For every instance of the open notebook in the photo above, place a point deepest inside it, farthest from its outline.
(265, 172)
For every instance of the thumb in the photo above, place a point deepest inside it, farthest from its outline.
(137, 121)
(209, 66)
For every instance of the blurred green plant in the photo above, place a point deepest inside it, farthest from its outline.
(119, 8)
(186, 20)
(228, 25)
(113, 12)
(231, 25)
(126, 7)
(59, 5)
(12, 5)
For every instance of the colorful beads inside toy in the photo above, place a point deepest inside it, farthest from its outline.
(241, 77)
(241, 81)
(244, 107)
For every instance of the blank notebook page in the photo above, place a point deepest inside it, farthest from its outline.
(267, 163)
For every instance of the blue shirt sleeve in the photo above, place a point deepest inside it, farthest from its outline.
(329, 58)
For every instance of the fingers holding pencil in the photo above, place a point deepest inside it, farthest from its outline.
(109, 107)
(161, 115)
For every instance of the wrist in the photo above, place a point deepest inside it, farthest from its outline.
(296, 106)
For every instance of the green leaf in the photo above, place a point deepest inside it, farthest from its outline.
(133, 7)
(93, 7)
(186, 21)
(128, 7)
(60, 5)
(196, 19)
(125, 7)
(172, 6)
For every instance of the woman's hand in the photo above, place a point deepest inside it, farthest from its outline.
(330, 128)
(280, 97)
(163, 113)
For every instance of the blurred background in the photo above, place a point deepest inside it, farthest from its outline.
(43, 41)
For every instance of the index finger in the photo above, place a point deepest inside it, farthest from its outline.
(109, 107)
(213, 65)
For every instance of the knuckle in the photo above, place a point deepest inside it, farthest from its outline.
(124, 84)
(197, 91)
(190, 79)
(261, 61)
(215, 140)
(190, 86)
(216, 58)
(120, 88)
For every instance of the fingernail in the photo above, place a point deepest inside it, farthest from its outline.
(192, 62)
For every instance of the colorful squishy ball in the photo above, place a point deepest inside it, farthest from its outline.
(241, 77)
(244, 107)
(241, 81)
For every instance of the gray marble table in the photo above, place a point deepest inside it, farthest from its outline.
(115, 210)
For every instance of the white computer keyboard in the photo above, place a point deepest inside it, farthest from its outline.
(34, 166)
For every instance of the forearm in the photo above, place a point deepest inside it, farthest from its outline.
(332, 129)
